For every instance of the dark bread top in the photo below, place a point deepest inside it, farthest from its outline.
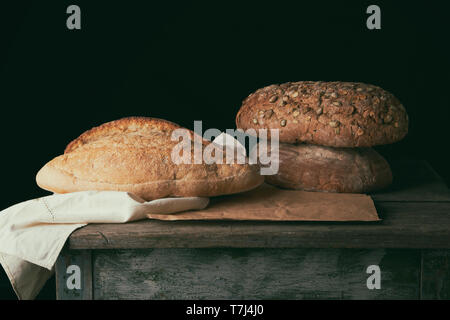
(336, 114)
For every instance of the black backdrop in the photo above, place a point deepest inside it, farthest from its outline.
(192, 60)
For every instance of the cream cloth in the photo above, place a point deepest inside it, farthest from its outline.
(32, 233)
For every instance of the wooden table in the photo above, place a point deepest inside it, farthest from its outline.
(274, 260)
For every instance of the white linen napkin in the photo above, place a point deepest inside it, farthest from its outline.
(32, 233)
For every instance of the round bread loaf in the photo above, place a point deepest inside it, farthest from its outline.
(335, 114)
(316, 168)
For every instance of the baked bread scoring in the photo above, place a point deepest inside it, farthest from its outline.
(316, 168)
(336, 114)
(134, 155)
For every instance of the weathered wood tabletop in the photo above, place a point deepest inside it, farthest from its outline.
(415, 213)
(274, 260)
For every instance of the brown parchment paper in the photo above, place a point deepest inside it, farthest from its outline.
(270, 203)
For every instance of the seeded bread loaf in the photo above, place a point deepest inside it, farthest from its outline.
(316, 168)
(336, 114)
(134, 155)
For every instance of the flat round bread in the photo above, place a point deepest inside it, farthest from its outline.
(335, 114)
(316, 168)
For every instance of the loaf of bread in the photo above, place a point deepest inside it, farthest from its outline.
(336, 114)
(134, 155)
(316, 168)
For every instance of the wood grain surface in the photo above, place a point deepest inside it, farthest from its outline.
(415, 214)
(435, 274)
(81, 259)
(404, 225)
(254, 274)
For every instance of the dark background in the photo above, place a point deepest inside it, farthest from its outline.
(193, 60)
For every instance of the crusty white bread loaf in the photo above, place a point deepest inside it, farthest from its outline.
(316, 168)
(134, 155)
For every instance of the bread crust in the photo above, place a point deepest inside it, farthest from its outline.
(327, 169)
(134, 155)
(336, 114)
(126, 125)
